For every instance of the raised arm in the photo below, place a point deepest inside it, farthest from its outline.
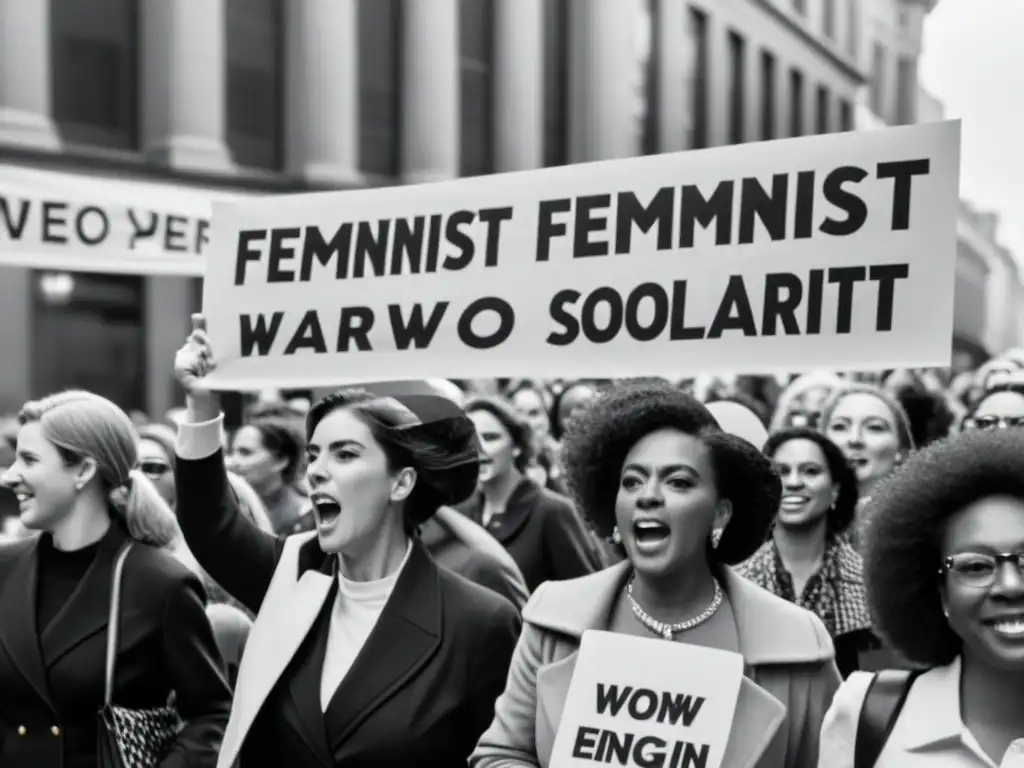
(232, 550)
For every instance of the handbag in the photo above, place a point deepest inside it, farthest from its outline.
(129, 738)
(878, 714)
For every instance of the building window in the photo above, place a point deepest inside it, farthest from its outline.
(380, 37)
(829, 18)
(852, 28)
(476, 70)
(698, 45)
(649, 42)
(556, 82)
(822, 105)
(255, 90)
(737, 57)
(91, 335)
(796, 103)
(877, 85)
(906, 91)
(845, 115)
(94, 60)
(767, 96)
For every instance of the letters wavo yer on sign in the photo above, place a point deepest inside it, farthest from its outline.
(833, 251)
(637, 701)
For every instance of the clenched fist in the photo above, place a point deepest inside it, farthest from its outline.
(195, 359)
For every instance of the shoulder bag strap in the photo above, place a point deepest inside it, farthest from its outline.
(112, 623)
(879, 712)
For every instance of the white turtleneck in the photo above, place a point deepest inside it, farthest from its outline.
(357, 608)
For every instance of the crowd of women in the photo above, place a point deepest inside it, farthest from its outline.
(398, 579)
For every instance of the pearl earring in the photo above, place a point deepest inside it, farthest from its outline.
(616, 535)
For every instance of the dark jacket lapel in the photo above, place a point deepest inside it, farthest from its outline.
(406, 636)
(18, 631)
(305, 714)
(86, 611)
(505, 526)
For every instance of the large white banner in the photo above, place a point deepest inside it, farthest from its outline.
(833, 251)
(81, 223)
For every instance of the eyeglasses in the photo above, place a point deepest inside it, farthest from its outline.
(154, 468)
(993, 422)
(979, 570)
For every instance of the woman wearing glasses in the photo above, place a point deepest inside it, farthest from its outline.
(1000, 407)
(944, 569)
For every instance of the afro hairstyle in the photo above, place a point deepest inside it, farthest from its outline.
(601, 434)
(907, 518)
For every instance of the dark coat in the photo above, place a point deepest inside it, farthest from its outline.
(421, 691)
(542, 532)
(51, 687)
(483, 562)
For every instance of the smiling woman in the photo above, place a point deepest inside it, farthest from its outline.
(652, 469)
(944, 567)
(806, 560)
(76, 485)
(364, 649)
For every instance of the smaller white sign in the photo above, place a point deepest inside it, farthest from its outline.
(637, 701)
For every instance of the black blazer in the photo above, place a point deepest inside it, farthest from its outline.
(421, 691)
(542, 532)
(51, 687)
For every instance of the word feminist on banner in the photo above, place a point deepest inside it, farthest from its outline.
(671, 706)
(413, 246)
(842, 242)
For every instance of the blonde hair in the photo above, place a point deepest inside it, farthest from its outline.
(84, 425)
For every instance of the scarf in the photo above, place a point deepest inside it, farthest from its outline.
(835, 593)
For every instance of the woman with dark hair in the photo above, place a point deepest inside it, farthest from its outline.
(1000, 407)
(76, 483)
(267, 453)
(533, 403)
(806, 560)
(652, 469)
(573, 396)
(539, 528)
(364, 651)
(944, 566)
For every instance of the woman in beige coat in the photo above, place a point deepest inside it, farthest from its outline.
(651, 468)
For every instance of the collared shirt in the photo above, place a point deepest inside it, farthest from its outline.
(929, 732)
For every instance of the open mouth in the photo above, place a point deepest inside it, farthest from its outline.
(327, 511)
(1009, 626)
(793, 501)
(857, 462)
(23, 497)
(650, 532)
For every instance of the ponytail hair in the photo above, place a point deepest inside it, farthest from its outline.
(146, 514)
(83, 425)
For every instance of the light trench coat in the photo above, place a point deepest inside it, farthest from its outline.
(790, 674)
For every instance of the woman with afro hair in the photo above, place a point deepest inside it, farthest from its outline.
(650, 467)
(944, 569)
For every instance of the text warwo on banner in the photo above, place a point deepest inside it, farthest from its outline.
(832, 251)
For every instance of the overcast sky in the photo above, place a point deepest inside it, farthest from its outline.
(974, 62)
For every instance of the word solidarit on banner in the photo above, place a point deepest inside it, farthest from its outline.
(88, 225)
(812, 252)
(792, 305)
(597, 224)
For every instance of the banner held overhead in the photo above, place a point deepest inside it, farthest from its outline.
(827, 251)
